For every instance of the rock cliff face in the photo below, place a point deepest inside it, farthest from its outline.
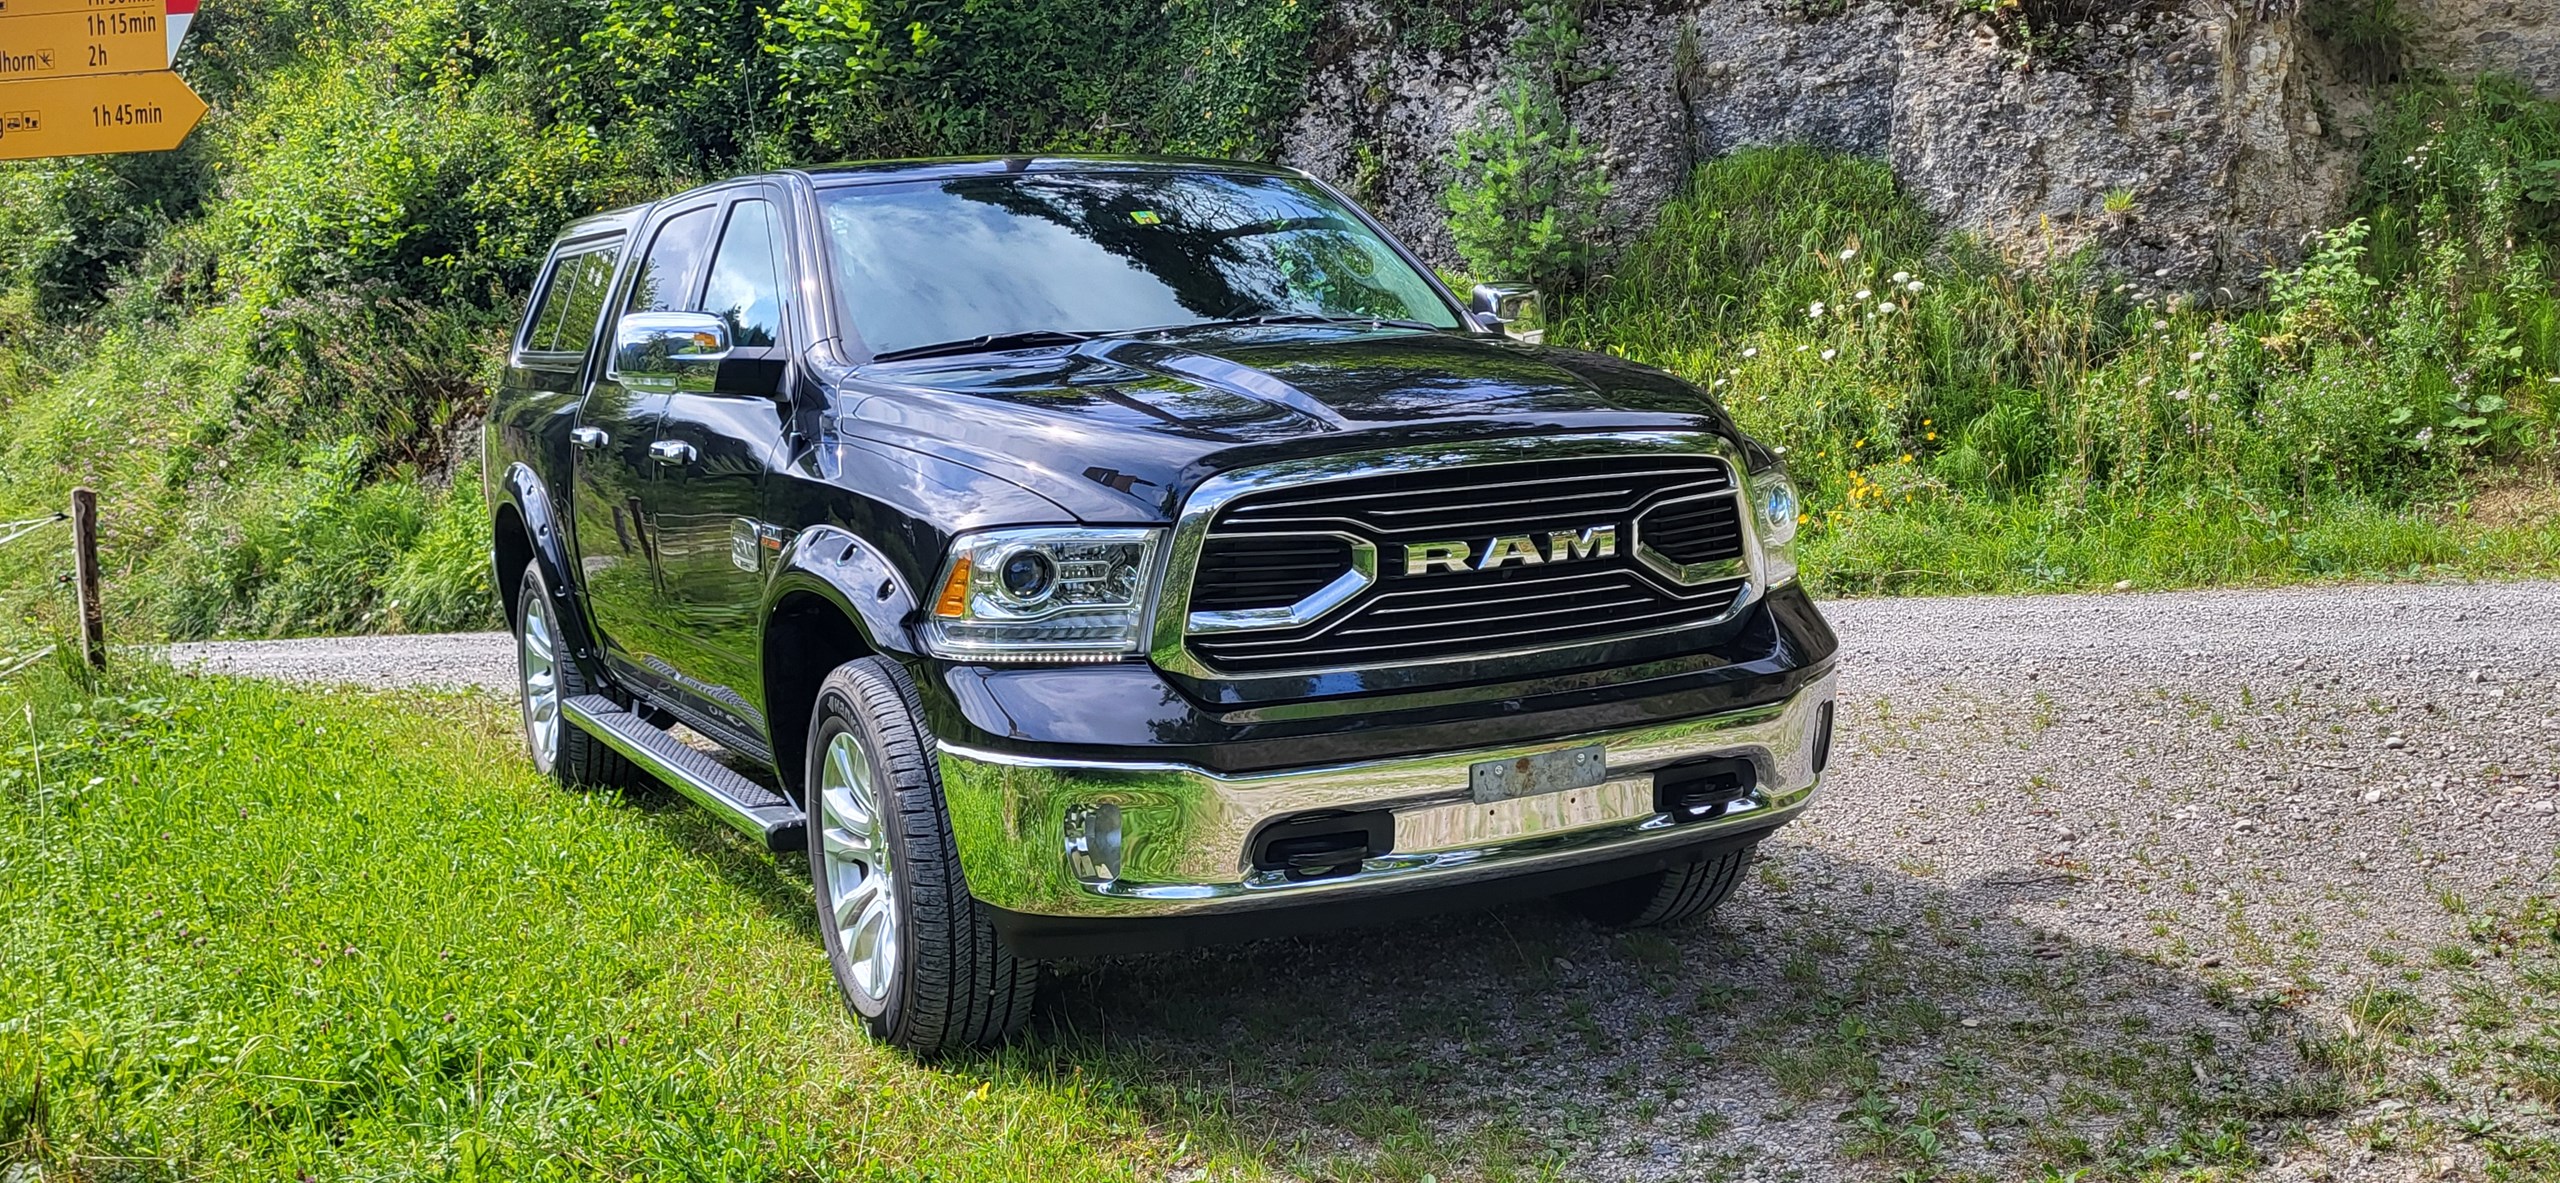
(2232, 137)
(2519, 37)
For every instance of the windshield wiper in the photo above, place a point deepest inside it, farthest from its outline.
(986, 344)
(1316, 318)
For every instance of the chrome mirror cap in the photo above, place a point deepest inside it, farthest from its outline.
(1514, 310)
(665, 350)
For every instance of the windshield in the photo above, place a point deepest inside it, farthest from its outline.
(933, 262)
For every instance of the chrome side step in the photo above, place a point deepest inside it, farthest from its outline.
(751, 807)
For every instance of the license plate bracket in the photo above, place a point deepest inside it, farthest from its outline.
(1489, 781)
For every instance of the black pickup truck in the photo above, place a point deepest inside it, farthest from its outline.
(1081, 555)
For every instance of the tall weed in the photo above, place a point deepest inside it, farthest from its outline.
(1915, 376)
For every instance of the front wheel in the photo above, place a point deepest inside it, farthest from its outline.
(1674, 896)
(914, 954)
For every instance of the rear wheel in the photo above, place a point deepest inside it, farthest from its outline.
(548, 675)
(914, 954)
(1673, 896)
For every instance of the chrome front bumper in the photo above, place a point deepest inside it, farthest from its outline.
(1031, 839)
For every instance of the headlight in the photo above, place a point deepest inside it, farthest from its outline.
(1044, 594)
(1775, 497)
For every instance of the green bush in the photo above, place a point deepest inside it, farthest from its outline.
(2372, 37)
(1525, 203)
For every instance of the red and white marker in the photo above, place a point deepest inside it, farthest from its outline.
(182, 13)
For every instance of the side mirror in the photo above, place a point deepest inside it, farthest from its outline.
(1513, 310)
(669, 351)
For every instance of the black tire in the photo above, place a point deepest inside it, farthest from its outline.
(1673, 896)
(950, 983)
(562, 751)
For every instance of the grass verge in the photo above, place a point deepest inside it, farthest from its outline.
(260, 933)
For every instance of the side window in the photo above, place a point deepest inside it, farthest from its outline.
(580, 309)
(542, 321)
(746, 276)
(665, 282)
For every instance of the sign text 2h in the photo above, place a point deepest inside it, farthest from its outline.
(81, 77)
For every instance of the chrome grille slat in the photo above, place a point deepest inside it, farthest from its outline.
(1685, 509)
(1401, 605)
(1377, 650)
(1274, 569)
(1282, 503)
(1542, 508)
(1630, 599)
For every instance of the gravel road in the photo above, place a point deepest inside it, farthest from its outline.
(454, 660)
(2247, 880)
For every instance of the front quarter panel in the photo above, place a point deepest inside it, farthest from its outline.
(829, 563)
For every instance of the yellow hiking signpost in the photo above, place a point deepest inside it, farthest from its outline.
(85, 77)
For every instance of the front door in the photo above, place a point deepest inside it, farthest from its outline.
(717, 443)
(616, 539)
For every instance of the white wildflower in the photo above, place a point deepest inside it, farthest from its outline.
(1901, 277)
(1885, 308)
(1914, 287)
(1828, 354)
(2426, 435)
(2159, 326)
(1816, 311)
(1865, 293)
(2195, 357)
(1847, 253)
(1752, 352)
(2182, 395)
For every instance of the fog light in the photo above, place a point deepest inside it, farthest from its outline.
(1093, 842)
(1778, 508)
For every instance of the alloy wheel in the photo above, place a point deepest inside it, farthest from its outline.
(855, 847)
(538, 663)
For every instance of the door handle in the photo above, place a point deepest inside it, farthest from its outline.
(589, 439)
(671, 452)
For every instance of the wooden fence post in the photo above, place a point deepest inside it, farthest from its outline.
(84, 574)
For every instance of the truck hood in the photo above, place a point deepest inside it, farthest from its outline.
(1118, 429)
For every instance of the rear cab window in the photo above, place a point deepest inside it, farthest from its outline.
(561, 324)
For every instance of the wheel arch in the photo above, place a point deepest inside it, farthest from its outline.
(526, 530)
(510, 551)
(833, 598)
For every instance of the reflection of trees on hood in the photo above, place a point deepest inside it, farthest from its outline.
(1217, 247)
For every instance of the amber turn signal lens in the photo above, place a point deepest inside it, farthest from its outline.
(955, 592)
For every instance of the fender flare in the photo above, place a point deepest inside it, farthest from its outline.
(522, 489)
(833, 564)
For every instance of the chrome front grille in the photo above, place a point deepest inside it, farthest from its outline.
(1361, 569)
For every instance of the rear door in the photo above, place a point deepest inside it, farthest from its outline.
(616, 539)
(708, 503)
